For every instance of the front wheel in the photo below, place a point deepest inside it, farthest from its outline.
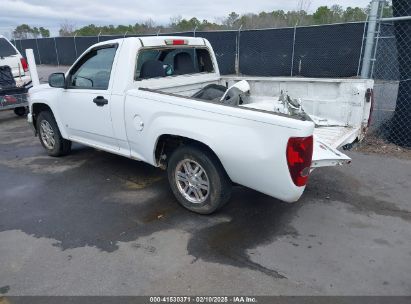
(198, 180)
(50, 136)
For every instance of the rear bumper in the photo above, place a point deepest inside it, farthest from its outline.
(13, 98)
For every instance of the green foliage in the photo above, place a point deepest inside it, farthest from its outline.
(94, 30)
(323, 15)
(354, 14)
(24, 31)
(44, 32)
(277, 18)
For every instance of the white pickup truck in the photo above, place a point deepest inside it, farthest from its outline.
(162, 100)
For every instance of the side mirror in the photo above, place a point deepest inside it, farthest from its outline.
(57, 80)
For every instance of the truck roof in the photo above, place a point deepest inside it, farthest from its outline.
(163, 40)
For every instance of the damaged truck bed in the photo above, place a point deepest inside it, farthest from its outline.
(340, 108)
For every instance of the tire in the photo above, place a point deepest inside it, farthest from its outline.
(20, 111)
(52, 140)
(189, 187)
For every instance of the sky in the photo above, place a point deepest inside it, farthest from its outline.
(51, 13)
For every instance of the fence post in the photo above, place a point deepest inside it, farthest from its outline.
(293, 53)
(370, 40)
(237, 57)
(377, 40)
(57, 53)
(194, 31)
(362, 46)
(38, 51)
(75, 45)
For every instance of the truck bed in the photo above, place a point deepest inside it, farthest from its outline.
(331, 132)
(336, 136)
(337, 106)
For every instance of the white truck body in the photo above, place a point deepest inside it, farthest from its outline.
(11, 57)
(250, 140)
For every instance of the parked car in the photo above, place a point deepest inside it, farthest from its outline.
(14, 78)
(162, 100)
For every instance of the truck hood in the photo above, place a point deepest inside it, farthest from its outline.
(326, 156)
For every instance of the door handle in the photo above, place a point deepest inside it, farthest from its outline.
(100, 101)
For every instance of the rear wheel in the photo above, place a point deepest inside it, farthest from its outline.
(49, 135)
(198, 180)
(20, 111)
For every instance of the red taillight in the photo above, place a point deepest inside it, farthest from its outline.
(299, 156)
(369, 97)
(24, 64)
(176, 42)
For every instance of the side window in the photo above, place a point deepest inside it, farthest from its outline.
(94, 69)
(145, 55)
(6, 49)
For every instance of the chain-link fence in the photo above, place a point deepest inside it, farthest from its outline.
(391, 71)
(311, 51)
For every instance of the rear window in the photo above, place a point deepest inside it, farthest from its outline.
(172, 61)
(6, 49)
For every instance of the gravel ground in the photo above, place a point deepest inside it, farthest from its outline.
(377, 145)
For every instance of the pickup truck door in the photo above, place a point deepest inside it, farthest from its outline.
(85, 103)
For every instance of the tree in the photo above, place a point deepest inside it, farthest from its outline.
(24, 31)
(303, 5)
(35, 32)
(302, 9)
(209, 26)
(175, 20)
(354, 14)
(336, 13)
(148, 26)
(88, 30)
(322, 15)
(67, 29)
(278, 18)
(231, 19)
(44, 32)
(178, 24)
